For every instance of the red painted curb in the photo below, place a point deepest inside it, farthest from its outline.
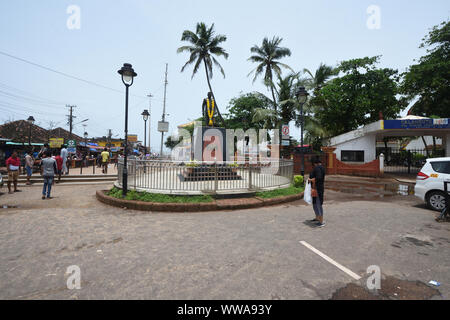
(244, 203)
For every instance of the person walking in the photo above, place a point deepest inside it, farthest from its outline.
(59, 165)
(105, 160)
(317, 178)
(44, 149)
(64, 153)
(48, 170)
(13, 166)
(29, 163)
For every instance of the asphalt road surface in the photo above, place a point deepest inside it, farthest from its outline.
(247, 254)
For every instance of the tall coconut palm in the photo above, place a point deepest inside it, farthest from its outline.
(320, 77)
(204, 45)
(267, 56)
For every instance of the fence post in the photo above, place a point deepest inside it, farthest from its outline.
(250, 186)
(381, 164)
(216, 178)
(409, 161)
(135, 172)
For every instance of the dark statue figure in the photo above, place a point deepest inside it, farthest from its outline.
(211, 113)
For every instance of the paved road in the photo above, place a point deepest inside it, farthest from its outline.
(247, 254)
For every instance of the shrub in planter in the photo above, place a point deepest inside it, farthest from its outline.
(298, 181)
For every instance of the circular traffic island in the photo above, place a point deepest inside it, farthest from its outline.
(156, 202)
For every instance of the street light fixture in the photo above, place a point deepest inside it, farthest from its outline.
(145, 116)
(128, 74)
(30, 121)
(302, 97)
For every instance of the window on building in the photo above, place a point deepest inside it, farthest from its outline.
(352, 156)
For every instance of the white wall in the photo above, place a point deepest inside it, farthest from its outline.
(365, 143)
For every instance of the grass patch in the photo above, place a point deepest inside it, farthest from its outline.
(156, 197)
(279, 192)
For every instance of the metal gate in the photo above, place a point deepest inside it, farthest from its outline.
(401, 161)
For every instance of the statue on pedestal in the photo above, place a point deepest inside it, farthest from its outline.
(211, 113)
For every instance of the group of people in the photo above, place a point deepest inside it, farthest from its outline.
(51, 164)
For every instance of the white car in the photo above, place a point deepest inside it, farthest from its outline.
(430, 182)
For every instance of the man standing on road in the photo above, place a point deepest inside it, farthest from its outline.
(64, 153)
(48, 170)
(13, 166)
(59, 165)
(29, 163)
(105, 160)
(317, 178)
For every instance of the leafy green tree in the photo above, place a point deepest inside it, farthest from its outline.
(204, 45)
(359, 96)
(428, 81)
(267, 56)
(172, 143)
(241, 111)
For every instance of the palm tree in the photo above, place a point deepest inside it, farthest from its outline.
(321, 76)
(204, 44)
(267, 56)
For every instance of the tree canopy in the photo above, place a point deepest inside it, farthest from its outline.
(428, 81)
(359, 96)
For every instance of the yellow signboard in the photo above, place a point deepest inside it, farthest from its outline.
(133, 138)
(56, 142)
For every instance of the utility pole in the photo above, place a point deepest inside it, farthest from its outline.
(150, 96)
(109, 138)
(70, 119)
(164, 110)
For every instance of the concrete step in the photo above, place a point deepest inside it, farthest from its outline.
(68, 179)
(23, 185)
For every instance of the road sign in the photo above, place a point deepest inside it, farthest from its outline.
(285, 143)
(163, 126)
(71, 144)
(285, 131)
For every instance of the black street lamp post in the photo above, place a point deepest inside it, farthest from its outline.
(85, 144)
(302, 96)
(30, 121)
(128, 74)
(145, 116)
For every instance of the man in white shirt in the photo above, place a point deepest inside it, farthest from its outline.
(64, 154)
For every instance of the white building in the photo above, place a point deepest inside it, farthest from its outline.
(359, 145)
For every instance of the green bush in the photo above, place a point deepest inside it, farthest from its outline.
(298, 181)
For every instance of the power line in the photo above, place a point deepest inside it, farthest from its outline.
(24, 108)
(17, 98)
(23, 92)
(64, 74)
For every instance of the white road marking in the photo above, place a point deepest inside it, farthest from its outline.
(327, 258)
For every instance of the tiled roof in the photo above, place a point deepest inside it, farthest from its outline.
(18, 131)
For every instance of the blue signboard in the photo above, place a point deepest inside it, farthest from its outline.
(418, 124)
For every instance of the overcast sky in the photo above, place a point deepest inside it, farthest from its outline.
(147, 34)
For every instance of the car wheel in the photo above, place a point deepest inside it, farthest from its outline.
(436, 200)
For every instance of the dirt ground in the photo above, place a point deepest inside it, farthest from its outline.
(244, 254)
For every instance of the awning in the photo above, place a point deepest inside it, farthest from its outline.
(23, 144)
